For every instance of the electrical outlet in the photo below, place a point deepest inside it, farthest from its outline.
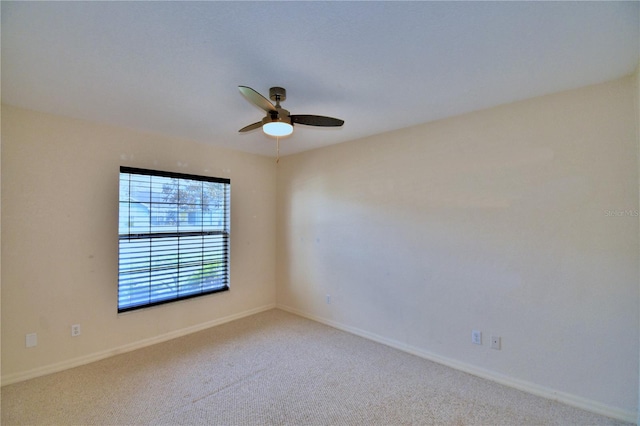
(32, 340)
(476, 337)
(495, 342)
(328, 299)
(75, 330)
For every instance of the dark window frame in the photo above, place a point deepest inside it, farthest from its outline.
(174, 241)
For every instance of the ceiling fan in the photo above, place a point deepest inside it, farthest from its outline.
(278, 121)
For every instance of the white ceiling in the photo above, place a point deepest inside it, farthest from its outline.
(173, 67)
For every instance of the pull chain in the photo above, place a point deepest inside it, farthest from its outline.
(277, 149)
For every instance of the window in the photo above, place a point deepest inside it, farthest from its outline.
(174, 237)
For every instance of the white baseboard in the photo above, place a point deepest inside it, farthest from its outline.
(532, 388)
(76, 362)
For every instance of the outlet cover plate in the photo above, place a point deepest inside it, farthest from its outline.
(495, 342)
(32, 340)
(476, 337)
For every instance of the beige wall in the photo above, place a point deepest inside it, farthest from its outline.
(637, 105)
(60, 239)
(519, 221)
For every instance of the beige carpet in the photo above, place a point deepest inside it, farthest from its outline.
(275, 368)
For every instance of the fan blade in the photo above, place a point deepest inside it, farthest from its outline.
(256, 98)
(317, 120)
(251, 127)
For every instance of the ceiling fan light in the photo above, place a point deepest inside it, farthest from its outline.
(277, 128)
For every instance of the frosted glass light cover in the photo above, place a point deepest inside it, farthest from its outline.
(277, 128)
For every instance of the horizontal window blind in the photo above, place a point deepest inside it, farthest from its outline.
(173, 237)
